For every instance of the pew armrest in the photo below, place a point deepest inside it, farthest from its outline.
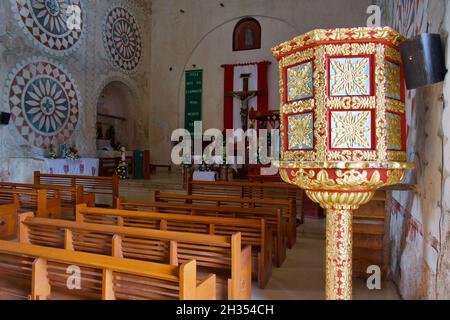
(89, 199)
(54, 206)
(265, 259)
(281, 242)
(292, 224)
(8, 220)
(206, 290)
(245, 285)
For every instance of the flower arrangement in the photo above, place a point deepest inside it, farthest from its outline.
(121, 170)
(72, 153)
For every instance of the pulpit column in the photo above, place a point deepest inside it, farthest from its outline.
(339, 254)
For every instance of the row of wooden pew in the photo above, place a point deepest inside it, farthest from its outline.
(43, 269)
(59, 194)
(49, 196)
(370, 222)
(254, 233)
(222, 254)
(236, 242)
(227, 232)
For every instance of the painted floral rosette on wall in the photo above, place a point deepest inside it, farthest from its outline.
(44, 102)
(56, 26)
(122, 38)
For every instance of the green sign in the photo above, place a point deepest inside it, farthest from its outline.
(194, 90)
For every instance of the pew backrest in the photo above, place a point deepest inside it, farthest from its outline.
(8, 219)
(102, 186)
(33, 200)
(254, 232)
(108, 278)
(237, 189)
(212, 252)
(70, 196)
(287, 207)
(273, 217)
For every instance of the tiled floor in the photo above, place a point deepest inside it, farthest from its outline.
(302, 277)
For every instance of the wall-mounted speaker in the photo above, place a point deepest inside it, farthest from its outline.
(4, 118)
(423, 60)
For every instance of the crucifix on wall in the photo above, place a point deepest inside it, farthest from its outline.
(245, 96)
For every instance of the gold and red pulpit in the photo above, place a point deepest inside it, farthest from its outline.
(343, 128)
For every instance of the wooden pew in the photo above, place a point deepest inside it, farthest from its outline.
(272, 216)
(101, 186)
(371, 243)
(103, 277)
(267, 191)
(34, 200)
(255, 232)
(287, 207)
(212, 253)
(8, 219)
(70, 196)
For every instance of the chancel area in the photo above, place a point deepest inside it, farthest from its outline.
(224, 150)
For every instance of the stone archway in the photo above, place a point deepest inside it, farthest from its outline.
(115, 116)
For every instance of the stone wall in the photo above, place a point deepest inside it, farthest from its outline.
(420, 220)
(198, 32)
(35, 46)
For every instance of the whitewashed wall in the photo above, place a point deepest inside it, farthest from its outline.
(420, 243)
(91, 70)
(202, 35)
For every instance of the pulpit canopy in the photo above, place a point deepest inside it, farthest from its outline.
(343, 105)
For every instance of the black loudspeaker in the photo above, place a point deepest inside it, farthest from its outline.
(423, 60)
(4, 118)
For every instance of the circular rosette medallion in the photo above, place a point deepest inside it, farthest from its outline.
(55, 25)
(122, 39)
(44, 103)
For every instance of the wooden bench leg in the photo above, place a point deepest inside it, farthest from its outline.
(40, 287)
(108, 285)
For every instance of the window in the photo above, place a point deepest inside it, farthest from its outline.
(247, 35)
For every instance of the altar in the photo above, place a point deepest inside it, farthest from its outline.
(80, 167)
(204, 176)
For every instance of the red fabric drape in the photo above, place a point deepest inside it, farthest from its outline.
(263, 87)
(228, 105)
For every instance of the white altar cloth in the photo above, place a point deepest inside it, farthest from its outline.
(204, 176)
(80, 167)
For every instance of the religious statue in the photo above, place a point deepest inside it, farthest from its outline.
(111, 135)
(244, 109)
(99, 131)
(249, 37)
(245, 96)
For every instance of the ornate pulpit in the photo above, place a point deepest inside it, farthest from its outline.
(343, 128)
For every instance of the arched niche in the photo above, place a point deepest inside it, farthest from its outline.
(247, 35)
(115, 116)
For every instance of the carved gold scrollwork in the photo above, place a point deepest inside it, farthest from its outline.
(357, 148)
(339, 255)
(324, 35)
(355, 179)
